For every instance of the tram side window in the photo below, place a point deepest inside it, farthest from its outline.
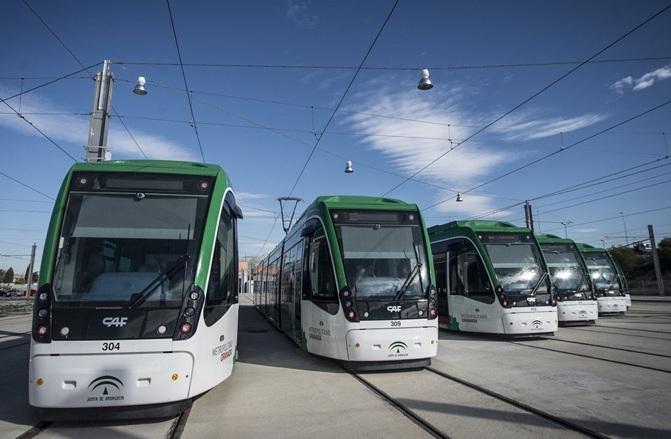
(222, 286)
(468, 276)
(320, 268)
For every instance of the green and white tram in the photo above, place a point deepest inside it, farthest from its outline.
(136, 311)
(608, 285)
(623, 280)
(353, 281)
(491, 277)
(576, 301)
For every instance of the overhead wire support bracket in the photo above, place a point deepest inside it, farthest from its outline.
(282, 200)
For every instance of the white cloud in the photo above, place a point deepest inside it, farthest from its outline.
(299, 12)
(645, 81)
(74, 129)
(459, 168)
(525, 126)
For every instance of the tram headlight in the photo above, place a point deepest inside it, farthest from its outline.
(194, 295)
(43, 297)
(185, 328)
(41, 330)
(351, 315)
(189, 312)
(43, 313)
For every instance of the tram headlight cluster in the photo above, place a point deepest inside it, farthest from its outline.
(189, 315)
(41, 314)
(433, 303)
(348, 305)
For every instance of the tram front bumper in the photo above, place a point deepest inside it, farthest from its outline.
(65, 381)
(607, 305)
(577, 311)
(526, 322)
(393, 344)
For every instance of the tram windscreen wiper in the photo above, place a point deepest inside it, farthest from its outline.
(538, 284)
(138, 299)
(408, 280)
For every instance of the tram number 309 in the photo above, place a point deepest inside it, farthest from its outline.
(111, 347)
(395, 323)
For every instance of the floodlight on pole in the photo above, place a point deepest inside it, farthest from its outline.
(459, 197)
(348, 167)
(425, 82)
(140, 86)
(566, 223)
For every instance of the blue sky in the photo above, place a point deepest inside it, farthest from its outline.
(235, 106)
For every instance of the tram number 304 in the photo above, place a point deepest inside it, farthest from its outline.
(111, 346)
(395, 323)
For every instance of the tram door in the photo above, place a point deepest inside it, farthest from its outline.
(440, 267)
(298, 290)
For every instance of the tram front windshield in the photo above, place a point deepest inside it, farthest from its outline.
(383, 254)
(517, 263)
(129, 240)
(568, 277)
(603, 274)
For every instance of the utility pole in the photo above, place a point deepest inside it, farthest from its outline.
(528, 215)
(96, 149)
(655, 260)
(624, 223)
(29, 281)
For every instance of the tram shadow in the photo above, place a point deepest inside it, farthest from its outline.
(445, 334)
(260, 343)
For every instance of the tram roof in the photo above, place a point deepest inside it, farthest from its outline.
(586, 248)
(544, 238)
(478, 226)
(363, 202)
(151, 166)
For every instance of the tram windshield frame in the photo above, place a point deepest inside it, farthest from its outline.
(518, 266)
(600, 268)
(126, 236)
(383, 254)
(566, 271)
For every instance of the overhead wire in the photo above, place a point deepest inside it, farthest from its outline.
(26, 185)
(553, 153)
(395, 68)
(599, 220)
(309, 145)
(186, 84)
(533, 96)
(76, 58)
(583, 185)
(42, 133)
(342, 98)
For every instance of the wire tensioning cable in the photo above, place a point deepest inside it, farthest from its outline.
(186, 84)
(533, 96)
(342, 98)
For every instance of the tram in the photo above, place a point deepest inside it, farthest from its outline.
(623, 280)
(491, 277)
(136, 311)
(576, 301)
(608, 285)
(353, 281)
